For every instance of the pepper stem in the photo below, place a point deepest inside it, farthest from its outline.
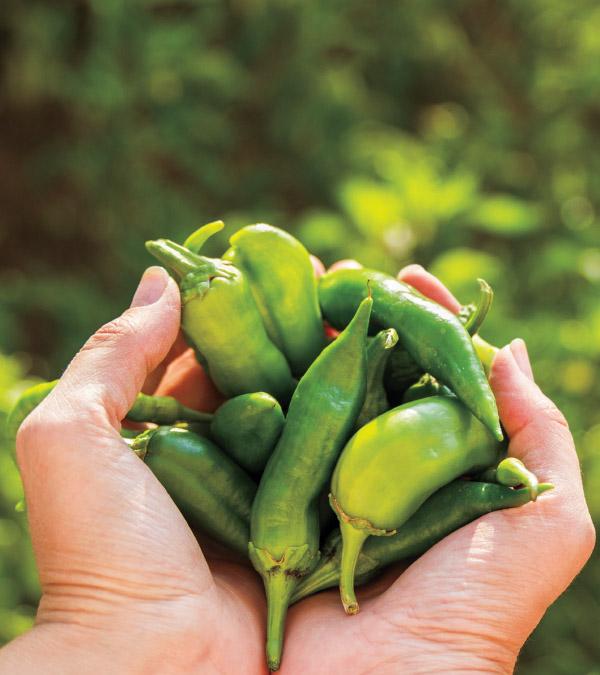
(352, 543)
(481, 310)
(281, 578)
(197, 239)
(176, 258)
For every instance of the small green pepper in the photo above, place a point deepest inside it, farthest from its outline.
(448, 509)
(248, 427)
(221, 320)
(394, 463)
(283, 283)
(155, 409)
(25, 404)
(212, 492)
(432, 334)
(284, 524)
(512, 472)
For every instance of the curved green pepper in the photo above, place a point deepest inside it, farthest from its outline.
(448, 509)
(155, 409)
(212, 492)
(431, 333)
(25, 404)
(284, 524)
(283, 283)
(248, 427)
(221, 320)
(394, 463)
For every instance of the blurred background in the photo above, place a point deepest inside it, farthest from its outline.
(459, 134)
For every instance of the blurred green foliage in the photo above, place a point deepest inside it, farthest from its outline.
(462, 135)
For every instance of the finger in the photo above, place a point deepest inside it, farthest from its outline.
(532, 552)
(428, 285)
(348, 264)
(538, 432)
(92, 504)
(185, 380)
(318, 267)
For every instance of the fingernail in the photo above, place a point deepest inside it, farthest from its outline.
(519, 351)
(346, 264)
(414, 267)
(151, 287)
(318, 267)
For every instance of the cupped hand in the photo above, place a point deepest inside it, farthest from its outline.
(127, 589)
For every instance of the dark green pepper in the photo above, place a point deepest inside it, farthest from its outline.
(394, 463)
(448, 509)
(212, 492)
(283, 283)
(221, 320)
(248, 427)
(432, 334)
(378, 351)
(284, 525)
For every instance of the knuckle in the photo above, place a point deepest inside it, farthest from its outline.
(551, 413)
(112, 333)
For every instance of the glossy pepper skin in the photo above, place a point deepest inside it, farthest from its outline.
(212, 492)
(448, 509)
(221, 320)
(433, 335)
(248, 427)
(394, 463)
(284, 523)
(283, 283)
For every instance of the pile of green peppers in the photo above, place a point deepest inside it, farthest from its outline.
(392, 421)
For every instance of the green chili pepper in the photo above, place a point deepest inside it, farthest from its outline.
(248, 427)
(485, 351)
(212, 492)
(425, 387)
(283, 283)
(378, 351)
(394, 463)
(448, 509)
(222, 322)
(400, 373)
(432, 334)
(155, 409)
(284, 524)
(473, 316)
(25, 404)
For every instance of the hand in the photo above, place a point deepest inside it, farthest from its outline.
(127, 589)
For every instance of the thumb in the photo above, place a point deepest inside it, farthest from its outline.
(538, 432)
(92, 504)
(105, 377)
